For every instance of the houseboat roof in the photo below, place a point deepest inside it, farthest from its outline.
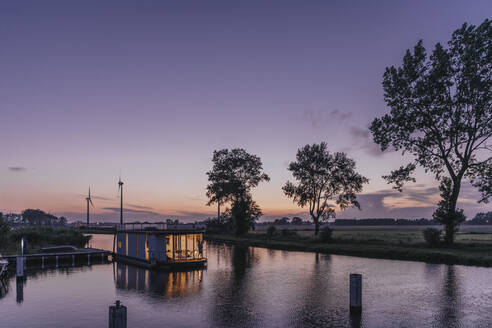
(164, 232)
(159, 228)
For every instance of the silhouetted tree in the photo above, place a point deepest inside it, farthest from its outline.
(221, 224)
(296, 221)
(62, 220)
(4, 229)
(441, 113)
(33, 217)
(38, 217)
(172, 222)
(482, 218)
(271, 231)
(234, 173)
(244, 212)
(322, 177)
(282, 221)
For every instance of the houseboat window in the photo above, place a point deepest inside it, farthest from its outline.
(146, 246)
(190, 246)
(126, 244)
(169, 247)
(175, 242)
(177, 247)
(183, 247)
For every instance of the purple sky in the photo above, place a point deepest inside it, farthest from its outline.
(153, 87)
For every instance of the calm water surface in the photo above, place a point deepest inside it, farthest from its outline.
(253, 287)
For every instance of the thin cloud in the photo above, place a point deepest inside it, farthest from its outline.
(195, 198)
(363, 138)
(17, 168)
(321, 117)
(197, 215)
(425, 195)
(139, 207)
(131, 211)
(373, 205)
(357, 132)
(102, 198)
(415, 201)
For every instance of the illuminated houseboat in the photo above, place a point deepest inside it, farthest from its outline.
(164, 247)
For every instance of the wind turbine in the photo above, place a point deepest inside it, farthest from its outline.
(89, 200)
(120, 190)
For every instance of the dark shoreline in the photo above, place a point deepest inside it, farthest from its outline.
(460, 255)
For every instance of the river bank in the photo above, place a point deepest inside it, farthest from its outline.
(463, 253)
(39, 237)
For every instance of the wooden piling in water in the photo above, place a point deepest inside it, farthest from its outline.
(117, 316)
(19, 289)
(19, 266)
(355, 292)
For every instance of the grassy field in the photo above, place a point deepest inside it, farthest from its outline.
(406, 237)
(473, 244)
(409, 235)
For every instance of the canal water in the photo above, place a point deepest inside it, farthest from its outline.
(253, 287)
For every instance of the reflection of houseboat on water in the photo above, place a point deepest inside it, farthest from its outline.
(157, 283)
(161, 246)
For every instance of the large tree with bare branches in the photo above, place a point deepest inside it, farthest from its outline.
(441, 113)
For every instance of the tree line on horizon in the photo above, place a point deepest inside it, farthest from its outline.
(440, 113)
(40, 229)
(481, 218)
(33, 217)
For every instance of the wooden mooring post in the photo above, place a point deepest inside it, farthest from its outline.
(19, 272)
(23, 246)
(19, 263)
(117, 316)
(355, 292)
(19, 289)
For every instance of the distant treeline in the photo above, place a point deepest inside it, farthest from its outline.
(40, 229)
(353, 222)
(286, 221)
(481, 218)
(31, 217)
(383, 221)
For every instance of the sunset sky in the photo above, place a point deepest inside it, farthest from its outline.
(152, 88)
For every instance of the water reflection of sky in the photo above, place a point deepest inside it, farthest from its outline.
(251, 287)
